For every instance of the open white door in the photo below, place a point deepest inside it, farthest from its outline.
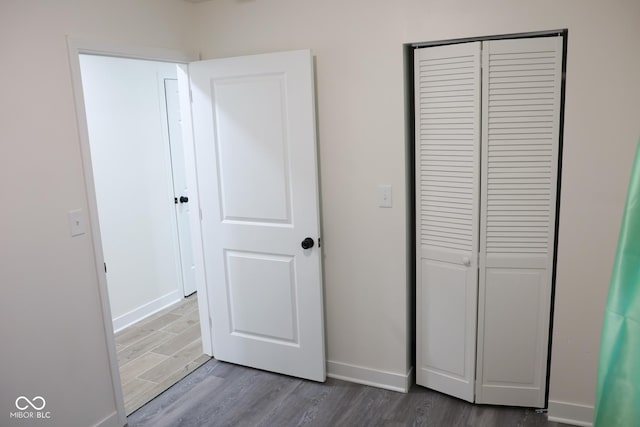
(254, 132)
(180, 186)
(447, 82)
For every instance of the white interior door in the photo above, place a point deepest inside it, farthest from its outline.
(254, 132)
(180, 187)
(447, 82)
(520, 134)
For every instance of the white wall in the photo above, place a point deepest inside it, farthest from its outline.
(124, 104)
(51, 325)
(361, 141)
(53, 342)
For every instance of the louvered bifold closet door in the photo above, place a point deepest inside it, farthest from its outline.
(520, 143)
(447, 96)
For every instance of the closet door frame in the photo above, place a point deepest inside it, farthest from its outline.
(410, 145)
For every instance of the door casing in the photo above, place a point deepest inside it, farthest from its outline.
(75, 47)
(410, 143)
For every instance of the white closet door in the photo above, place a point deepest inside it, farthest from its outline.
(520, 130)
(447, 82)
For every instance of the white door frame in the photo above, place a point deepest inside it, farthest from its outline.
(77, 46)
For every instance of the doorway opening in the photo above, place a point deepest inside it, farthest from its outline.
(274, 319)
(137, 158)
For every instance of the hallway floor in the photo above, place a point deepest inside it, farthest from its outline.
(159, 351)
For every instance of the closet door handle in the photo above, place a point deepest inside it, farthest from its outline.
(466, 261)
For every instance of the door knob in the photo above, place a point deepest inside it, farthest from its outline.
(307, 243)
(184, 199)
(466, 261)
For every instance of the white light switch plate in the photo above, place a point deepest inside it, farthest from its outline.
(384, 196)
(76, 222)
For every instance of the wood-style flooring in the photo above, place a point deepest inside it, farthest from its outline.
(158, 351)
(222, 394)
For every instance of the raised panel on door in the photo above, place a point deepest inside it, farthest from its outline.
(520, 143)
(447, 96)
(253, 148)
(257, 173)
(257, 311)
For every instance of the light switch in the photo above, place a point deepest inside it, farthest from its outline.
(76, 222)
(384, 196)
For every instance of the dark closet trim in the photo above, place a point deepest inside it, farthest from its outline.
(409, 88)
(529, 35)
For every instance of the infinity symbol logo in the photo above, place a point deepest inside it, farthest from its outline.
(32, 403)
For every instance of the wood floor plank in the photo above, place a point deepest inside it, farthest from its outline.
(183, 322)
(177, 362)
(176, 376)
(255, 398)
(180, 341)
(138, 366)
(307, 402)
(142, 346)
(171, 412)
(222, 394)
(161, 412)
(416, 406)
(144, 349)
(142, 329)
(167, 382)
(160, 322)
(185, 306)
(339, 407)
(130, 335)
(134, 388)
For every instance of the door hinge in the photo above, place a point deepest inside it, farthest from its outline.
(319, 242)
(200, 212)
(105, 268)
(190, 95)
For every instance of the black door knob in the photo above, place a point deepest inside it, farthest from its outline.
(307, 243)
(184, 199)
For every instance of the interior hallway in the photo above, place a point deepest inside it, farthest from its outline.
(158, 351)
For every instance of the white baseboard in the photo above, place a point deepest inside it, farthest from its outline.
(570, 413)
(110, 421)
(146, 310)
(367, 376)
